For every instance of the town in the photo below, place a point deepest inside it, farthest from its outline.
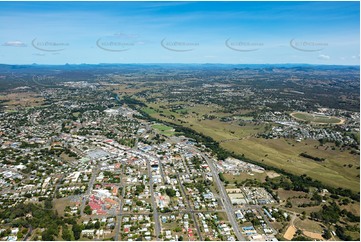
(93, 164)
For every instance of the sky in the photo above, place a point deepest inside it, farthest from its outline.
(180, 32)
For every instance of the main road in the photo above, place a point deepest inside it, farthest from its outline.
(224, 196)
(191, 211)
(155, 211)
(90, 187)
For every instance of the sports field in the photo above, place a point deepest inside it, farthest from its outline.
(316, 118)
(163, 129)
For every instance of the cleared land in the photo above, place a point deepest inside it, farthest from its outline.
(284, 154)
(11, 101)
(244, 176)
(290, 232)
(316, 118)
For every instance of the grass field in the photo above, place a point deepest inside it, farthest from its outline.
(315, 118)
(308, 225)
(244, 118)
(244, 176)
(163, 129)
(353, 208)
(284, 194)
(60, 204)
(285, 154)
(20, 99)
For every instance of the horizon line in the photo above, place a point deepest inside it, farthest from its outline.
(177, 63)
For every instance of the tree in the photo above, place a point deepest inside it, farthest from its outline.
(76, 231)
(66, 234)
(327, 234)
(288, 204)
(97, 225)
(47, 235)
(20, 235)
(170, 192)
(88, 210)
(303, 215)
(221, 177)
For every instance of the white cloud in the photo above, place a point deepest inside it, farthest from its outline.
(15, 43)
(324, 57)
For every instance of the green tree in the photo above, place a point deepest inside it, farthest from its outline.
(47, 235)
(327, 234)
(76, 231)
(170, 192)
(66, 234)
(87, 210)
(97, 225)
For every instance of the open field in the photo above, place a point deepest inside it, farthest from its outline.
(353, 208)
(316, 236)
(290, 232)
(284, 194)
(244, 176)
(60, 204)
(123, 89)
(316, 118)
(20, 99)
(308, 225)
(220, 131)
(284, 154)
(163, 129)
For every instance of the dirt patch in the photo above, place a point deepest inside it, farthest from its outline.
(313, 235)
(290, 232)
(272, 174)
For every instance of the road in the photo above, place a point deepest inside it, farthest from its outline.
(119, 216)
(57, 185)
(224, 197)
(90, 187)
(191, 211)
(155, 211)
(161, 170)
(28, 234)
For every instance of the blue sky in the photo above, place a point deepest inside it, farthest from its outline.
(180, 32)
